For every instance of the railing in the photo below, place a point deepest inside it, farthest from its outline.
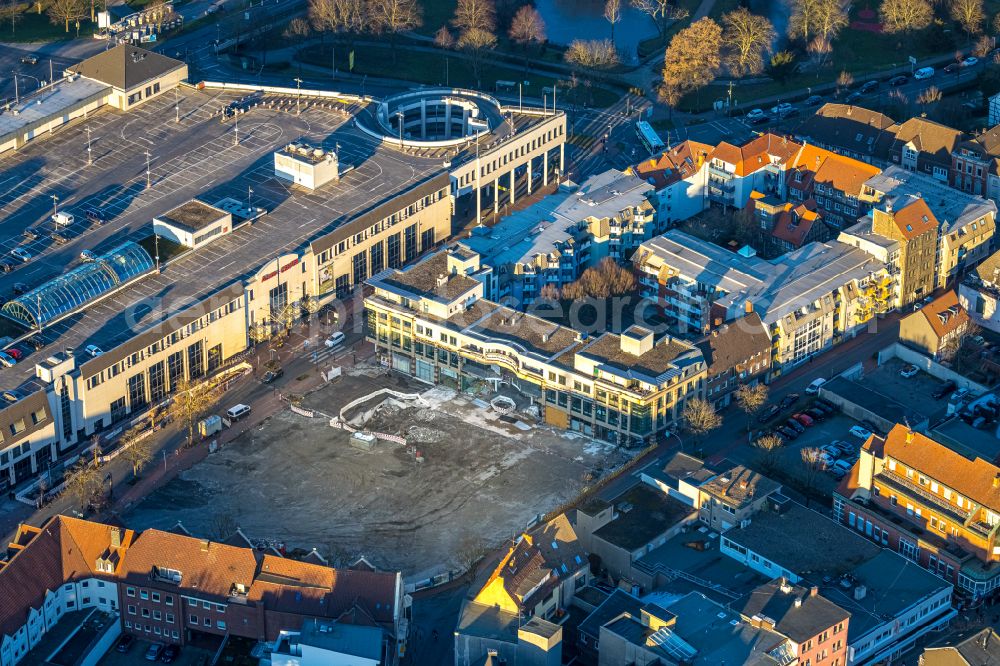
(901, 483)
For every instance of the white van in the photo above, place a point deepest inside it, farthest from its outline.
(62, 219)
(237, 412)
(923, 73)
(335, 340)
(813, 388)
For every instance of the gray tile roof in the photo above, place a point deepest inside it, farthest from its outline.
(126, 66)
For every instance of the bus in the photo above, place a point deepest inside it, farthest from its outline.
(648, 136)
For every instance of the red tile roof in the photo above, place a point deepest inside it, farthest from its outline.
(914, 219)
(944, 314)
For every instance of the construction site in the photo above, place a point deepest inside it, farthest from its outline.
(429, 482)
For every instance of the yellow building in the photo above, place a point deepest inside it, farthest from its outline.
(430, 321)
(913, 225)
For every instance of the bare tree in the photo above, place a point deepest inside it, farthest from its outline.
(661, 12)
(394, 17)
(526, 29)
(700, 418)
(906, 15)
(831, 18)
(191, 402)
(340, 17)
(819, 49)
(692, 60)
(968, 14)
(470, 550)
(476, 21)
(746, 37)
(750, 398)
(298, 28)
(613, 14)
(84, 482)
(443, 38)
(12, 11)
(812, 18)
(844, 81)
(64, 11)
(768, 446)
(996, 24)
(812, 465)
(929, 97)
(224, 525)
(982, 46)
(136, 448)
(604, 280)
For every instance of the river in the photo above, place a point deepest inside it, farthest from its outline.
(566, 20)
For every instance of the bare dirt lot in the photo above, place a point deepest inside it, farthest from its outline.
(299, 481)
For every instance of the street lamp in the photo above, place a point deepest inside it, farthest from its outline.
(90, 159)
(55, 205)
(249, 208)
(401, 117)
(177, 107)
(148, 175)
(298, 101)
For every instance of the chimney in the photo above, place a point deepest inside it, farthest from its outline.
(798, 602)
(909, 437)
(743, 484)
(813, 591)
(204, 545)
(748, 306)
(116, 537)
(996, 480)
(784, 586)
(441, 279)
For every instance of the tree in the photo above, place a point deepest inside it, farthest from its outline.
(983, 46)
(136, 449)
(604, 280)
(443, 38)
(812, 464)
(527, 28)
(968, 14)
(768, 446)
(84, 482)
(928, 97)
(812, 18)
(476, 21)
(746, 37)
(12, 11)
(298, 28)
(191, 401)
(394, 17)
(996, 24)
(781, 66)
(692, 60)
(661, 12)
(906, 15)
(591, 56)
(750, 398)
(819, 49)
(64, 11)
(470, 550)
(613, 14)
(700, 418)
(340, 16)
(844, 81)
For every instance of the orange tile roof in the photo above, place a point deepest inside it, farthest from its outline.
(795, 222)
(681, 161)
(824, 166)
(914, 219)
(972, 478)
(945, 314)
(755, 154)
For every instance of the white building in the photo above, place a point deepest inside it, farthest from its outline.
(193, 224)
(306, 165)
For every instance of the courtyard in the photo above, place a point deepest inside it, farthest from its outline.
(467, 479)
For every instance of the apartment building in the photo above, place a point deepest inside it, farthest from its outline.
(974, 165)
(924, 146)
(759, 165)
(912, 224)
(736, 354)
(979, 293)
(817, 627)
(784, 226)
(852, 131)
(833, 182)
(808, 300)
(730, 497)
(965, 222)
(431, 321)
(934, 505)
(552, 242)
(679, 177)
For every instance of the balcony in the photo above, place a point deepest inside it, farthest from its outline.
(907, 487)
(720, 172)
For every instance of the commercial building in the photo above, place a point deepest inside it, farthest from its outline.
(979, 293)
(808, 300)
(174, 588)
(306, 165)
(892, 601)
(968, 648)
(733, 496)
(193, 316)
(552, 242)
(135, 75)
(936, 506)
(974, 165)
(910, 223)
(431, 321)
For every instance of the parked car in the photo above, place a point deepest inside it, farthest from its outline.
(923, 73)
(7, 360)
(755, 113)
(795, 425)
(804, 419)
(909, 371)
(21, 253)
(815, 414)
(334, 340)
(836, 472)
(169, 654)
(854, 97)
(843, 465)
(96, 216)
(7, 266)
(15, 353)
(21, 288)
(13, 395)
(868, 87)
(37, 342)
(814, 386)
(272, 375)
(860, 432)
(759, 120)
(781, 107)
(826, 460)
(830, 450)
(154, 651)
(970, 61)
(789, 400)
(900, 80)
(823, 402)
(30, 233)
(768, 414)
(813, 100)
(29, 59)
(93, 350)
(943, 390)
(125, 643)
(58, 238)
(786, 432)
(826, 409)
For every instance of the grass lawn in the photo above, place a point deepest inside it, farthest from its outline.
(430, 68)
(38, 28)
(659, 42)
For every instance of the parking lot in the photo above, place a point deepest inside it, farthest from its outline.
(189, 656)
(466, 479)
(915, 392)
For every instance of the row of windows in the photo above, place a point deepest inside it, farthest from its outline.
(145, 595)
(157, 615)
(154, 630)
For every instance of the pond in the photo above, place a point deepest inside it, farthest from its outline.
(566, 20)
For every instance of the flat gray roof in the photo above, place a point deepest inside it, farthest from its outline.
(952, 208)
(48, 103)
(192, 215)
